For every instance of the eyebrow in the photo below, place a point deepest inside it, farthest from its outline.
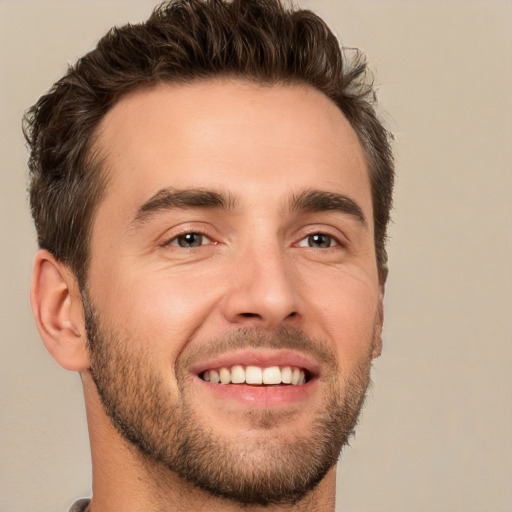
(310, 200)
(169, 198)
(322, 201)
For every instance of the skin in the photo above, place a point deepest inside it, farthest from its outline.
(260, 146)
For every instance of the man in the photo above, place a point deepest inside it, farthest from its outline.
(211, 191)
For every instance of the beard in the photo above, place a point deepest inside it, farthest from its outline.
(167, 429)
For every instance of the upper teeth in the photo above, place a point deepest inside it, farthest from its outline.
(239, 374)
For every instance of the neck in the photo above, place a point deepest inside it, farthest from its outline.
(125, 480)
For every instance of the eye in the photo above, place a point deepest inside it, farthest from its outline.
(189, 240)
(318, 241)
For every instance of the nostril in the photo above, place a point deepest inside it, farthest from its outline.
(251, 315)
(256, 315)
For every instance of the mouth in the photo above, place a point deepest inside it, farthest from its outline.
(257, 376)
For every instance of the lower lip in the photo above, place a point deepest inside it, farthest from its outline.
(260, 396)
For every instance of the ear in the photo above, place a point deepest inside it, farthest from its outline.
(379, 321)
(58, 312)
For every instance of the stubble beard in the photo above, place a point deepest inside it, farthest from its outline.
(170, 434)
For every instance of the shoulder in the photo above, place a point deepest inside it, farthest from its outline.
(80, 505)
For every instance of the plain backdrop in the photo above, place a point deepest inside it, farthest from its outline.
(436, 431)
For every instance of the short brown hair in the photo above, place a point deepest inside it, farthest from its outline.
(184, 41)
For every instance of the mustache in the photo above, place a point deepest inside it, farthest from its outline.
(291, 338)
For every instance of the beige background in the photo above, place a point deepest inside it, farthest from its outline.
(437, 428)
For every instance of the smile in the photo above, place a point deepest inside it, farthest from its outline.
(256, 376)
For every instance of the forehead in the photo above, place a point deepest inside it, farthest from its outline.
(228, 134)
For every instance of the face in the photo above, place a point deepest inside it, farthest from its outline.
(233, 304)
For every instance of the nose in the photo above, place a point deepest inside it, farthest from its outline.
(263, 291)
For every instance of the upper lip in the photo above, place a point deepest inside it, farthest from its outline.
(263, 358)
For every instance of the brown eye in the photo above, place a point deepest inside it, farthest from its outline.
(318, 241)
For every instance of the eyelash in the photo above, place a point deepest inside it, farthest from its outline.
(334, 241)
(303, 242)
(174, 241)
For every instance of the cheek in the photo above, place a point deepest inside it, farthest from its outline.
(346, 312)
(159, 311)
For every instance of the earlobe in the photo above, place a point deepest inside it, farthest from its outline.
(377, 337)
(58, 312)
